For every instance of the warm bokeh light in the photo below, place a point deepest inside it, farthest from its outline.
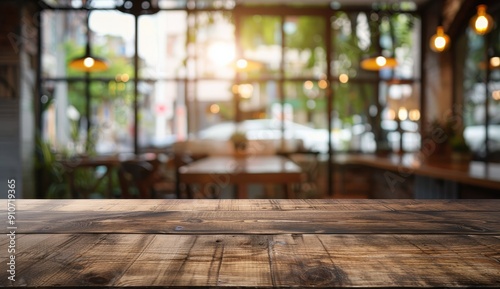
(322, 84)
(235, 88)
(214, 108)
(124, 77)
(88, 62)
(391, 114)
(440, 41)
(221, 53)
(343, 78)
(245, 90)
(414, 115)
(482, 22)
(308, 84)
(495, 62)
(402, 113)
(496, 95)
(241, 63)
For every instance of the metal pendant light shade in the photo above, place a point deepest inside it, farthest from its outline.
(89, 63)
(139, 7)
(377, 63)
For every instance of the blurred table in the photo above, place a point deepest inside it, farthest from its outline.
(217, 172)
(253, 243)
(110, 162)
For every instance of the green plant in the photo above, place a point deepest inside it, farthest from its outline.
(450, 130)
(238, 137)
(458, 143)
(53, 182)
(239, 140)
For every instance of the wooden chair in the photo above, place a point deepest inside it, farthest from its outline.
(181, 159)
(138, 174)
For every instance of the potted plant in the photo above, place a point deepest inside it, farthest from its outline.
(239, 140)
(460, 151)
(449, 138)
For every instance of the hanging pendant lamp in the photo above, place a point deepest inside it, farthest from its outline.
(481, 23)
(139, 7)
(440, 41)
(378, 62)
(88, 62)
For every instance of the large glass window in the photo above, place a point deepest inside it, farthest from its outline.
(481, 94)
(189, 80)
(366, 103)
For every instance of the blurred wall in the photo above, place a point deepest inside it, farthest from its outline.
(18, 56)
(437, 70)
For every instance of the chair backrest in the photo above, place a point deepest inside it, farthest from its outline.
(138, 174)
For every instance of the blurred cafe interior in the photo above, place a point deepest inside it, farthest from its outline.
(250, 98)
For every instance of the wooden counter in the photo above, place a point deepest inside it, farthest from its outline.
(474, 173)
(253, 243)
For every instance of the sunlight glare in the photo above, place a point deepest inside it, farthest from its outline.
(221, 53)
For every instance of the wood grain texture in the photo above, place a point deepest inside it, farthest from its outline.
(264, 222)
(94, 205)
(255, 243)
(258, 217)
(259, 261)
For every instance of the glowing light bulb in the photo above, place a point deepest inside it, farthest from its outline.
(381, 61)
(88, 62)
(482, 22)
(439, 41)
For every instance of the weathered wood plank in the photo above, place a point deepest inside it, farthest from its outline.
(171, 260)
(199, 261)
(260, 222)
(420, 260)
(254, 205)
(74, 260)
(259, 261)
(103, 261)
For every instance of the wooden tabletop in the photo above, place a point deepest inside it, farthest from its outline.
(253, 243)
(219, 171)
